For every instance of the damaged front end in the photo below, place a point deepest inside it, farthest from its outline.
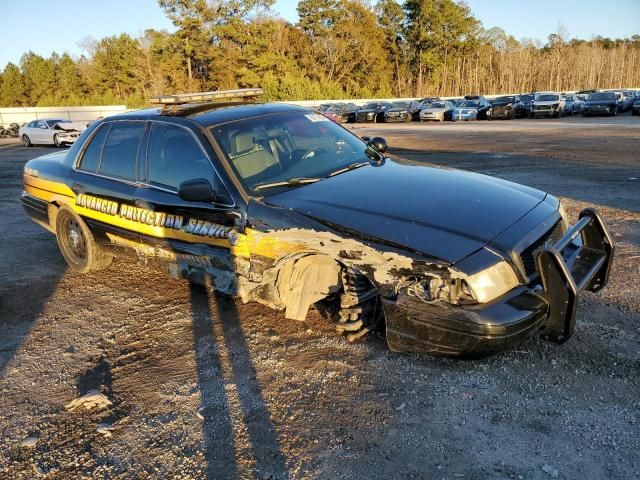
(486, 312)
(67, 132)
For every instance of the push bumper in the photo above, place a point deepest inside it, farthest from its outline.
(570, 266)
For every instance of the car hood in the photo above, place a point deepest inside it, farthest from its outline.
(397, 110)
(439, 212)
(548, 102)
(434, 110)
(466, 108)
(369, 110)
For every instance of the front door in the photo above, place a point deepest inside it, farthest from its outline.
(202, 236)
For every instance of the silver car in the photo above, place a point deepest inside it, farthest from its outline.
(438, 111)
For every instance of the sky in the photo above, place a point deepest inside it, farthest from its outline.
(43, 26)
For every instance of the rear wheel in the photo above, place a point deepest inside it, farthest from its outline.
(26, 141)
(77, 244)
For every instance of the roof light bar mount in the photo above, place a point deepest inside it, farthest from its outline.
(206, 97)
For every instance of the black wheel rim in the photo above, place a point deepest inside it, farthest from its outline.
(73, 240)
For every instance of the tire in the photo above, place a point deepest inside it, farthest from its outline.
(56, 142)
(77, 244)
(26, 141)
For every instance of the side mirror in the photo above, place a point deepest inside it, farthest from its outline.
(197, 190)
(379, 143)
(366, 139)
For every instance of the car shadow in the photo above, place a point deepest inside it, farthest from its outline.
(31, 270)
(230, 393)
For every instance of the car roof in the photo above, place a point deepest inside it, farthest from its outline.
(211, 113)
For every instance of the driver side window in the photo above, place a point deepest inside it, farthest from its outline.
(174, 157)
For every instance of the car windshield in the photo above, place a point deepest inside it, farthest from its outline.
(547, 98)
(437, 105)
(400, 105)
(526, 98)
(371, 106)
(470, 103)
(504, 100)
(290, 148)
(51, 123)
(602, 96)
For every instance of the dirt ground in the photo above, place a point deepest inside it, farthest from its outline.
(204, 387)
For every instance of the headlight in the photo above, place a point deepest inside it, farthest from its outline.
(492, 282)
(556, 105)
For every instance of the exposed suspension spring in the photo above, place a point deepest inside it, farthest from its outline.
(359, 305)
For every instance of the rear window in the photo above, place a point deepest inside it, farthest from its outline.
(120, 150)
(91, 158)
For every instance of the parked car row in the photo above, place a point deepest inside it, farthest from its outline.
(477, 107)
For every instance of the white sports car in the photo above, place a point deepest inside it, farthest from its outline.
(56, 131)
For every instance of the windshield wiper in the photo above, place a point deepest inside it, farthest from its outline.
(285, 183)
(352, 166)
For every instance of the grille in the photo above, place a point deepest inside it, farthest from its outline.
(528, 256)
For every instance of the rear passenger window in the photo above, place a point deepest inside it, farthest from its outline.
(121, 150)
(91, 158)
(174, 156)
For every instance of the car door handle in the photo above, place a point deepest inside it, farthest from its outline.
(78, 188)
(144, 204)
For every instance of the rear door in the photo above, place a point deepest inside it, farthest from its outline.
(105, 178)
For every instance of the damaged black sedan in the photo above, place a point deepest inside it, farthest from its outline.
(277, 204)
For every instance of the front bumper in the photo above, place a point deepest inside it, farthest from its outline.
(565, 269)
(502, 113)
(366, 118)
(70, 140)
(437, 116)
(457, 115)
(399, 118)
(545, 112)
(597, 110)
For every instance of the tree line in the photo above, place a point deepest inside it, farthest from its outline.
(337, 49)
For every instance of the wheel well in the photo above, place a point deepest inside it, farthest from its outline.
(305, 280)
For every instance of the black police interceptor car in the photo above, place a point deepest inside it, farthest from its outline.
(277, 204)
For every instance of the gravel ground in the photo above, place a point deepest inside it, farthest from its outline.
(203, 387)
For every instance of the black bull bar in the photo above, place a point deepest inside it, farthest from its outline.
(569, 267)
